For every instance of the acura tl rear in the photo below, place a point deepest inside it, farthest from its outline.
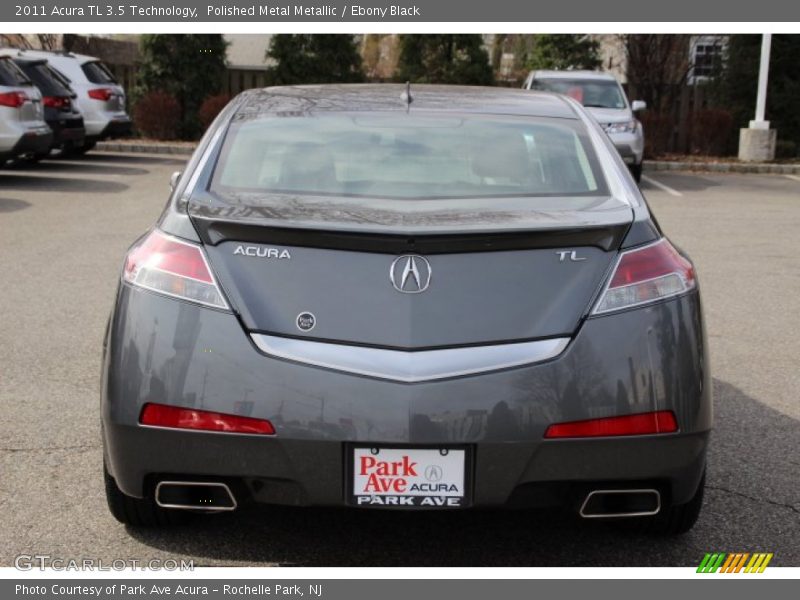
(406, 298)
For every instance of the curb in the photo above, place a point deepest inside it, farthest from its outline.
(649, 165)
(722, 167)
(145, 148)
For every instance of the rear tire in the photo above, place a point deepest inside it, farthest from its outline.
(66, 150)
(636, 171)
(35, 158)
(79, 150)
(139, 512)
(28, 160)
(675, 520)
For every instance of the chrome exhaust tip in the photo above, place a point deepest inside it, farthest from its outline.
(611, 504)
(207, 496)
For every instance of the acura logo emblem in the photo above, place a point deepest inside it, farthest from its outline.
(433, 473)
(410, 274)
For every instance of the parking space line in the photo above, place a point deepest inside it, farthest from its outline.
(792, 177)
(662, 187)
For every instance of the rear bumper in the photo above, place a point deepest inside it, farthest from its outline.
(34, 141)
(312, 472)
(162, 350)
(68, 131)
(101, 125)
(117, 127)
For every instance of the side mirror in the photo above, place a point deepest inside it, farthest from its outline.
(638, 105)
(174, 179)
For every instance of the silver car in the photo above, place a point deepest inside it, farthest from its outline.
(99, 97)
(603, 96)
(383, 298)
(23, 130)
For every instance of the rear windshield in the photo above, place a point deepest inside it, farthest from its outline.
(97, 72)
(42, 77)
(404, 156)
(65, 81)
(10, 73)
(589, 92)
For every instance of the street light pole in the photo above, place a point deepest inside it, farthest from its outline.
(763, 78)
(757, 142)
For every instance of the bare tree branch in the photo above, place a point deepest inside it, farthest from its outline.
(658, 66)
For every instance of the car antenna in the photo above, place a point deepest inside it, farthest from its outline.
(407, 96)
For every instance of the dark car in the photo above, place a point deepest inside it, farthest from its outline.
(60, 112)
(427, 298)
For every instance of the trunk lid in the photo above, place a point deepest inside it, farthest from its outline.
(494, 271)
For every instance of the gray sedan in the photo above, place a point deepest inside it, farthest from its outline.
(406, 298)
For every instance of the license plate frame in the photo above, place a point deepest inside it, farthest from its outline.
(441, 501)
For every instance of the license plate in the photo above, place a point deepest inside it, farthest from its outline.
(408, 477)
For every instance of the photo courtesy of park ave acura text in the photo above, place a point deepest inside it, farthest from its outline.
(411, 299)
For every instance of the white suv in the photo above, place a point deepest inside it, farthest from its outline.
(22, 127)
(605, 100)
(100, 98)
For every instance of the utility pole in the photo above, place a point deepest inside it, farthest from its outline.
(757, 142)
(763, 78)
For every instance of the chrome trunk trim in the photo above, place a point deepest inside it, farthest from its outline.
(407, 366)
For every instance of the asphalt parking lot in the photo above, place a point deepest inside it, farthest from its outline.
(64, 228)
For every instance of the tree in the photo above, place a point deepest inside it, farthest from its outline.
(38, 41)
(189, 67)
(444, 58)
(500, 41)
(735, 87)
(563, 51)
(49, 41)
(314, 58)
(657, 67)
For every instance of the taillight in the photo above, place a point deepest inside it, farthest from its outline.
(56, 102)
(13, 99)
(645, 275)
(170, 266)
(662, 421)
(103, 94)
(163, 415)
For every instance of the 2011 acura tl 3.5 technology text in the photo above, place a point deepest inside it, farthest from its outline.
(401, 297)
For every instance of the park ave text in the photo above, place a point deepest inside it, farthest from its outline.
(265, 11)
